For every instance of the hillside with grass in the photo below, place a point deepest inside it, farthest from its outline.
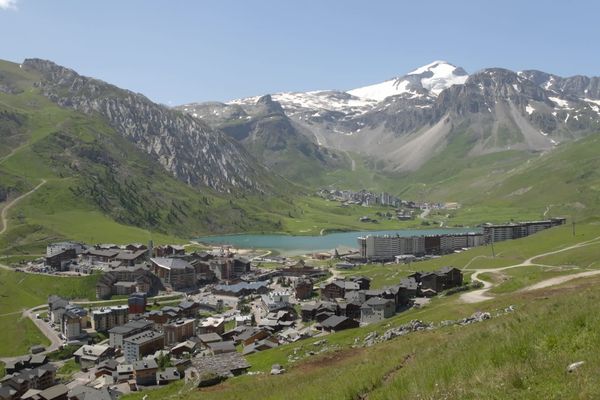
(21, 291)
(521, 352)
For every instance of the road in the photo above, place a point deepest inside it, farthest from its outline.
(480, 295)
(44, 327)
(12, 203)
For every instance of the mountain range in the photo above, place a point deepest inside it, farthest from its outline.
(405, 121)
(113, 158)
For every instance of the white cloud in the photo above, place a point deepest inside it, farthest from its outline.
(8, 4)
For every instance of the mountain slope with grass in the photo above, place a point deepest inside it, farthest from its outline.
(100, 185)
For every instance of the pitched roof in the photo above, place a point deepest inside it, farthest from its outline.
(333, 321)
(171, 263)
(227, 346)
(145, 364)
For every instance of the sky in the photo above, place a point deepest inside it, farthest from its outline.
(177, 52)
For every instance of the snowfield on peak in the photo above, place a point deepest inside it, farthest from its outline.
(433, 77)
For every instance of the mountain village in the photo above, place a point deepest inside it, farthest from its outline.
(165, 314)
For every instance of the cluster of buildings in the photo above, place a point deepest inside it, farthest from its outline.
(349, 303)
(362, 197)
(516, 230)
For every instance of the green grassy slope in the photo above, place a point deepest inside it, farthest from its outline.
(564, 181)
(20, 291)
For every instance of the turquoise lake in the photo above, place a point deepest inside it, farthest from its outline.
(305, 244)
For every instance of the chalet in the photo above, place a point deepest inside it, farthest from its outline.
(39, 378)
(303, 288)
(130, 258)
(442, 279)
(453, 276)
(432, 281)
(169, 250)
(189, 309)
(260, 345)
(189, 346)
(221, 347)
(350, 309)
(107, 367)
(88, 356)
(93, 256)
(363, 282)
(144, 372)
(337, 289)
(308, 312)
(251, 335)
(337, 323)
(376, 309)
(136, 247)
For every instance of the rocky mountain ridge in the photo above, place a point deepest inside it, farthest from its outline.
(406, 121)
(186, 147)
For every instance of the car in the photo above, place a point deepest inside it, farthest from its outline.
(37, 316)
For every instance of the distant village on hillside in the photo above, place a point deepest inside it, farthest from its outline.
(196, 315)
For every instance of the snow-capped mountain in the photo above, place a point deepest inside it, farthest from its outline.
(433, 78)
(405, 121)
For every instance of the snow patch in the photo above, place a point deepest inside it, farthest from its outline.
(560, 102)
(529, 110)
(381, 90)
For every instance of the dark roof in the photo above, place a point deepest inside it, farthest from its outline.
(102, 253)
(377, 301)
(54, 392)
(130, 255)
(248, 333)
(228, 346)
(131, 326)
(145, 364)
(88, 393)
(333, 321)
(143, 337)
(446, 269)
(210, 337)
(169, 374)
(110, 364)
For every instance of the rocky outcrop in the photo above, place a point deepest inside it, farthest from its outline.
(183, 145)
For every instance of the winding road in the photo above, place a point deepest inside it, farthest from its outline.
(12, 203)
(480, 295)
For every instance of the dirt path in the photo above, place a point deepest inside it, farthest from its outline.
(558, 280)
(480, 295)
(12, 203)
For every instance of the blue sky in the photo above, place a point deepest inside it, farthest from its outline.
(182, 51)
